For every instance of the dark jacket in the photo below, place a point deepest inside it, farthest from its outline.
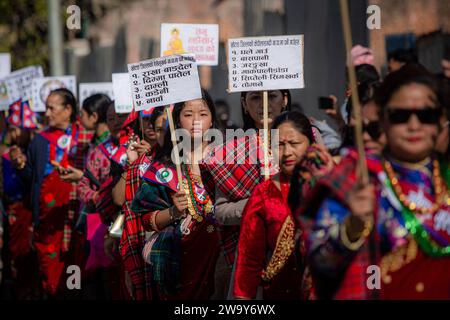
(33, 173)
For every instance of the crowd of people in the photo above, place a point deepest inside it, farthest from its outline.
(86, 186)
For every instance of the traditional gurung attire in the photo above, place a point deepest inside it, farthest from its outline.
(183, 255)
(22, 260)
(266, 253)
(133, 236)
(410, 240)
(234, 181)
(96, 173)
(54, 202)
(108, 211)
(266, 246)
(18, 224)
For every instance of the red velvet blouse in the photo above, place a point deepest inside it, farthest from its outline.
(267, 220)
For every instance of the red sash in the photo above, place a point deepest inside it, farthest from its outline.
(160, 174)
(108, 148)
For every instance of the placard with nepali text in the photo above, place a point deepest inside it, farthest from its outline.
(164, 81)
(201, 40)
(19, 83)
(265, 63)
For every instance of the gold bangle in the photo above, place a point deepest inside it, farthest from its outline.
(22, 166)
(153, 221)
(355, 245)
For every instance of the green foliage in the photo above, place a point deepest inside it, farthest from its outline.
(23, 32)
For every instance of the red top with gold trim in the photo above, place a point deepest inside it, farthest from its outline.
(266, 246)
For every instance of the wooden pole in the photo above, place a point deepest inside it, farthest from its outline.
(362, 172)
(175, 145)
(142, 125)
(266, 134)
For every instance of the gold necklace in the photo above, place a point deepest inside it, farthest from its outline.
(438, 189)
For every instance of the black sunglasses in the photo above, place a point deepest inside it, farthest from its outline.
(374, 129)
(426, 115)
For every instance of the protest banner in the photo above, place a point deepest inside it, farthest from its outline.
(19, 83)
(201, 40)
(88, 89)
(164, 81)
(123, 99)
(265, 63)
(41, 88)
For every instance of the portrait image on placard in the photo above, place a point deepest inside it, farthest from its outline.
(42, 87)
(200, 40)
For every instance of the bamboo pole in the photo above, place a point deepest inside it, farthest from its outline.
(175, 145)
(362, 172)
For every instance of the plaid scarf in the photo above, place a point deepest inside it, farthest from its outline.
(133, 236)
(165, 254)
(352, 283)
(105, 205)
(235, 180)
(166, 251)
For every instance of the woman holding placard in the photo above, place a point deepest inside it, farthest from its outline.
(133, 238)
(185, 245)
(235, 181)
(53, 151)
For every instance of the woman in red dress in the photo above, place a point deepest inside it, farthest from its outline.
(61, 146)
(265, 256)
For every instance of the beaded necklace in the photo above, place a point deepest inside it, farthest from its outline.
(409, 209)
(101, 138)
(201, 206)
(437, 183)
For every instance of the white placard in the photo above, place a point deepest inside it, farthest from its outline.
(5, 69)
(19, 83)
(4, 99)
(43, 86)
(201, 40)
(5, 64)
(265, 63)
(88, 89)
(164, 81)
(123, 99)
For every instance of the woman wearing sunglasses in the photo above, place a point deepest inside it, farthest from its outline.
(373, 135)
(389, 239)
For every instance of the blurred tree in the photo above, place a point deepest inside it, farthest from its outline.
(24, 28)
(23, 32)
